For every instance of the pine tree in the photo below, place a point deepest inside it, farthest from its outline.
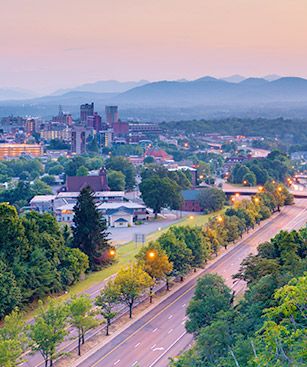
(90, 231)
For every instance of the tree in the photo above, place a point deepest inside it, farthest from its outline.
(131, 282)
(82, 171)
(211, 296)
(211, 199)
(154, 260)
(81, 317)
(123, 165)
(39, 187)
(159, 193)
(282, 339)
(149, 160)
(195, 240)
(90, 231)
(10, 292)
(116, 180)
(249, 179)
(48, 329)
(178, 253)
(49, 180)
(108, 299)
(12, 339)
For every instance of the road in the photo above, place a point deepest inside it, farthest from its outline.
(160, 334)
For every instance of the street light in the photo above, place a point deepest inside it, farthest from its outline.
(244, 182)
(237, 195)
(260, 188)
(256, 200)
(191, 217)
(112, 252)
(219, 219)
(279, 188)
(151, 254)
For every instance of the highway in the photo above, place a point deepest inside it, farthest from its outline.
(160, 334)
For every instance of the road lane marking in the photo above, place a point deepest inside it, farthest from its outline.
(183, 305)
(115, 363)
(170, 347)
(160, 348)
(134, 363)
(136, 345)
(170, 316)
(155, 330)
(153, 346)
(170, 330)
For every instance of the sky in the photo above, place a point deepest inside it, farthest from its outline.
(51, 44)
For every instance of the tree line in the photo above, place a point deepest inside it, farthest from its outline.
(268, 326)
(276, 166)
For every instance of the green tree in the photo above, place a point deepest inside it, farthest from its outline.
(116, 180)
(123, 165)
(82, 171)
(211, 199)
(249, 179)
(13, 340)
(178, 253)
(159, 193)
(81, 317)
(131, 282)
(211, 296)
(48, 329)
(90, 232)
(106, 301)
(195, 240)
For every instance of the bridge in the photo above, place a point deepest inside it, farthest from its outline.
(248, 191)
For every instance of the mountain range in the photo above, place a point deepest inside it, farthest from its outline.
(235, 95)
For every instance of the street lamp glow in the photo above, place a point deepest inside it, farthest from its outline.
(237, 194)
(279, 189)
(256, 200)
(220, 219)
(112, 252)
(260, 188)
(191, 216)
(151, 254)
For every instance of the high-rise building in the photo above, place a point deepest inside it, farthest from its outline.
(111, 115)
(30, 126)
(17, 150)
(79, 135)
(94, 122)
(85, 111)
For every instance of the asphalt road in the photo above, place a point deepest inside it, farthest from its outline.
(160, 334)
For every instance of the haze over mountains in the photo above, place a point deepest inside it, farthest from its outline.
(203, 97)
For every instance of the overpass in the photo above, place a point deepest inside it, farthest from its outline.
(247, 191)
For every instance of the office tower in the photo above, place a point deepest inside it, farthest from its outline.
(94, 122)
(111, 115)
(79, 135)
(85, 111)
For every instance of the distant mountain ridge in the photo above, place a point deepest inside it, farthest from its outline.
(103, 86)
(203, 97)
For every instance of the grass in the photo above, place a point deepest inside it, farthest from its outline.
(125, 255)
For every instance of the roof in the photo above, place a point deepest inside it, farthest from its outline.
(96, 183)
(158, 153)
(182, 168)
(66, 207)
(119, 211)
(121, 220)
(42, 198)
(72, 194)
(128, 205)
(190, 194)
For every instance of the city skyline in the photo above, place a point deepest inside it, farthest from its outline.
(50, 45)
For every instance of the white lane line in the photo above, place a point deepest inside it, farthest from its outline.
(170, 316)
(183, 323)
(184, 318)
(136, 345)
(155, 330)
(170, 347)
(170, 330)
(115, 363)
(161, 348)
(134, 363)
(153, 346)
(183, 305)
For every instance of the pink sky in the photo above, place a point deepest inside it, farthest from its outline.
(50, 44)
